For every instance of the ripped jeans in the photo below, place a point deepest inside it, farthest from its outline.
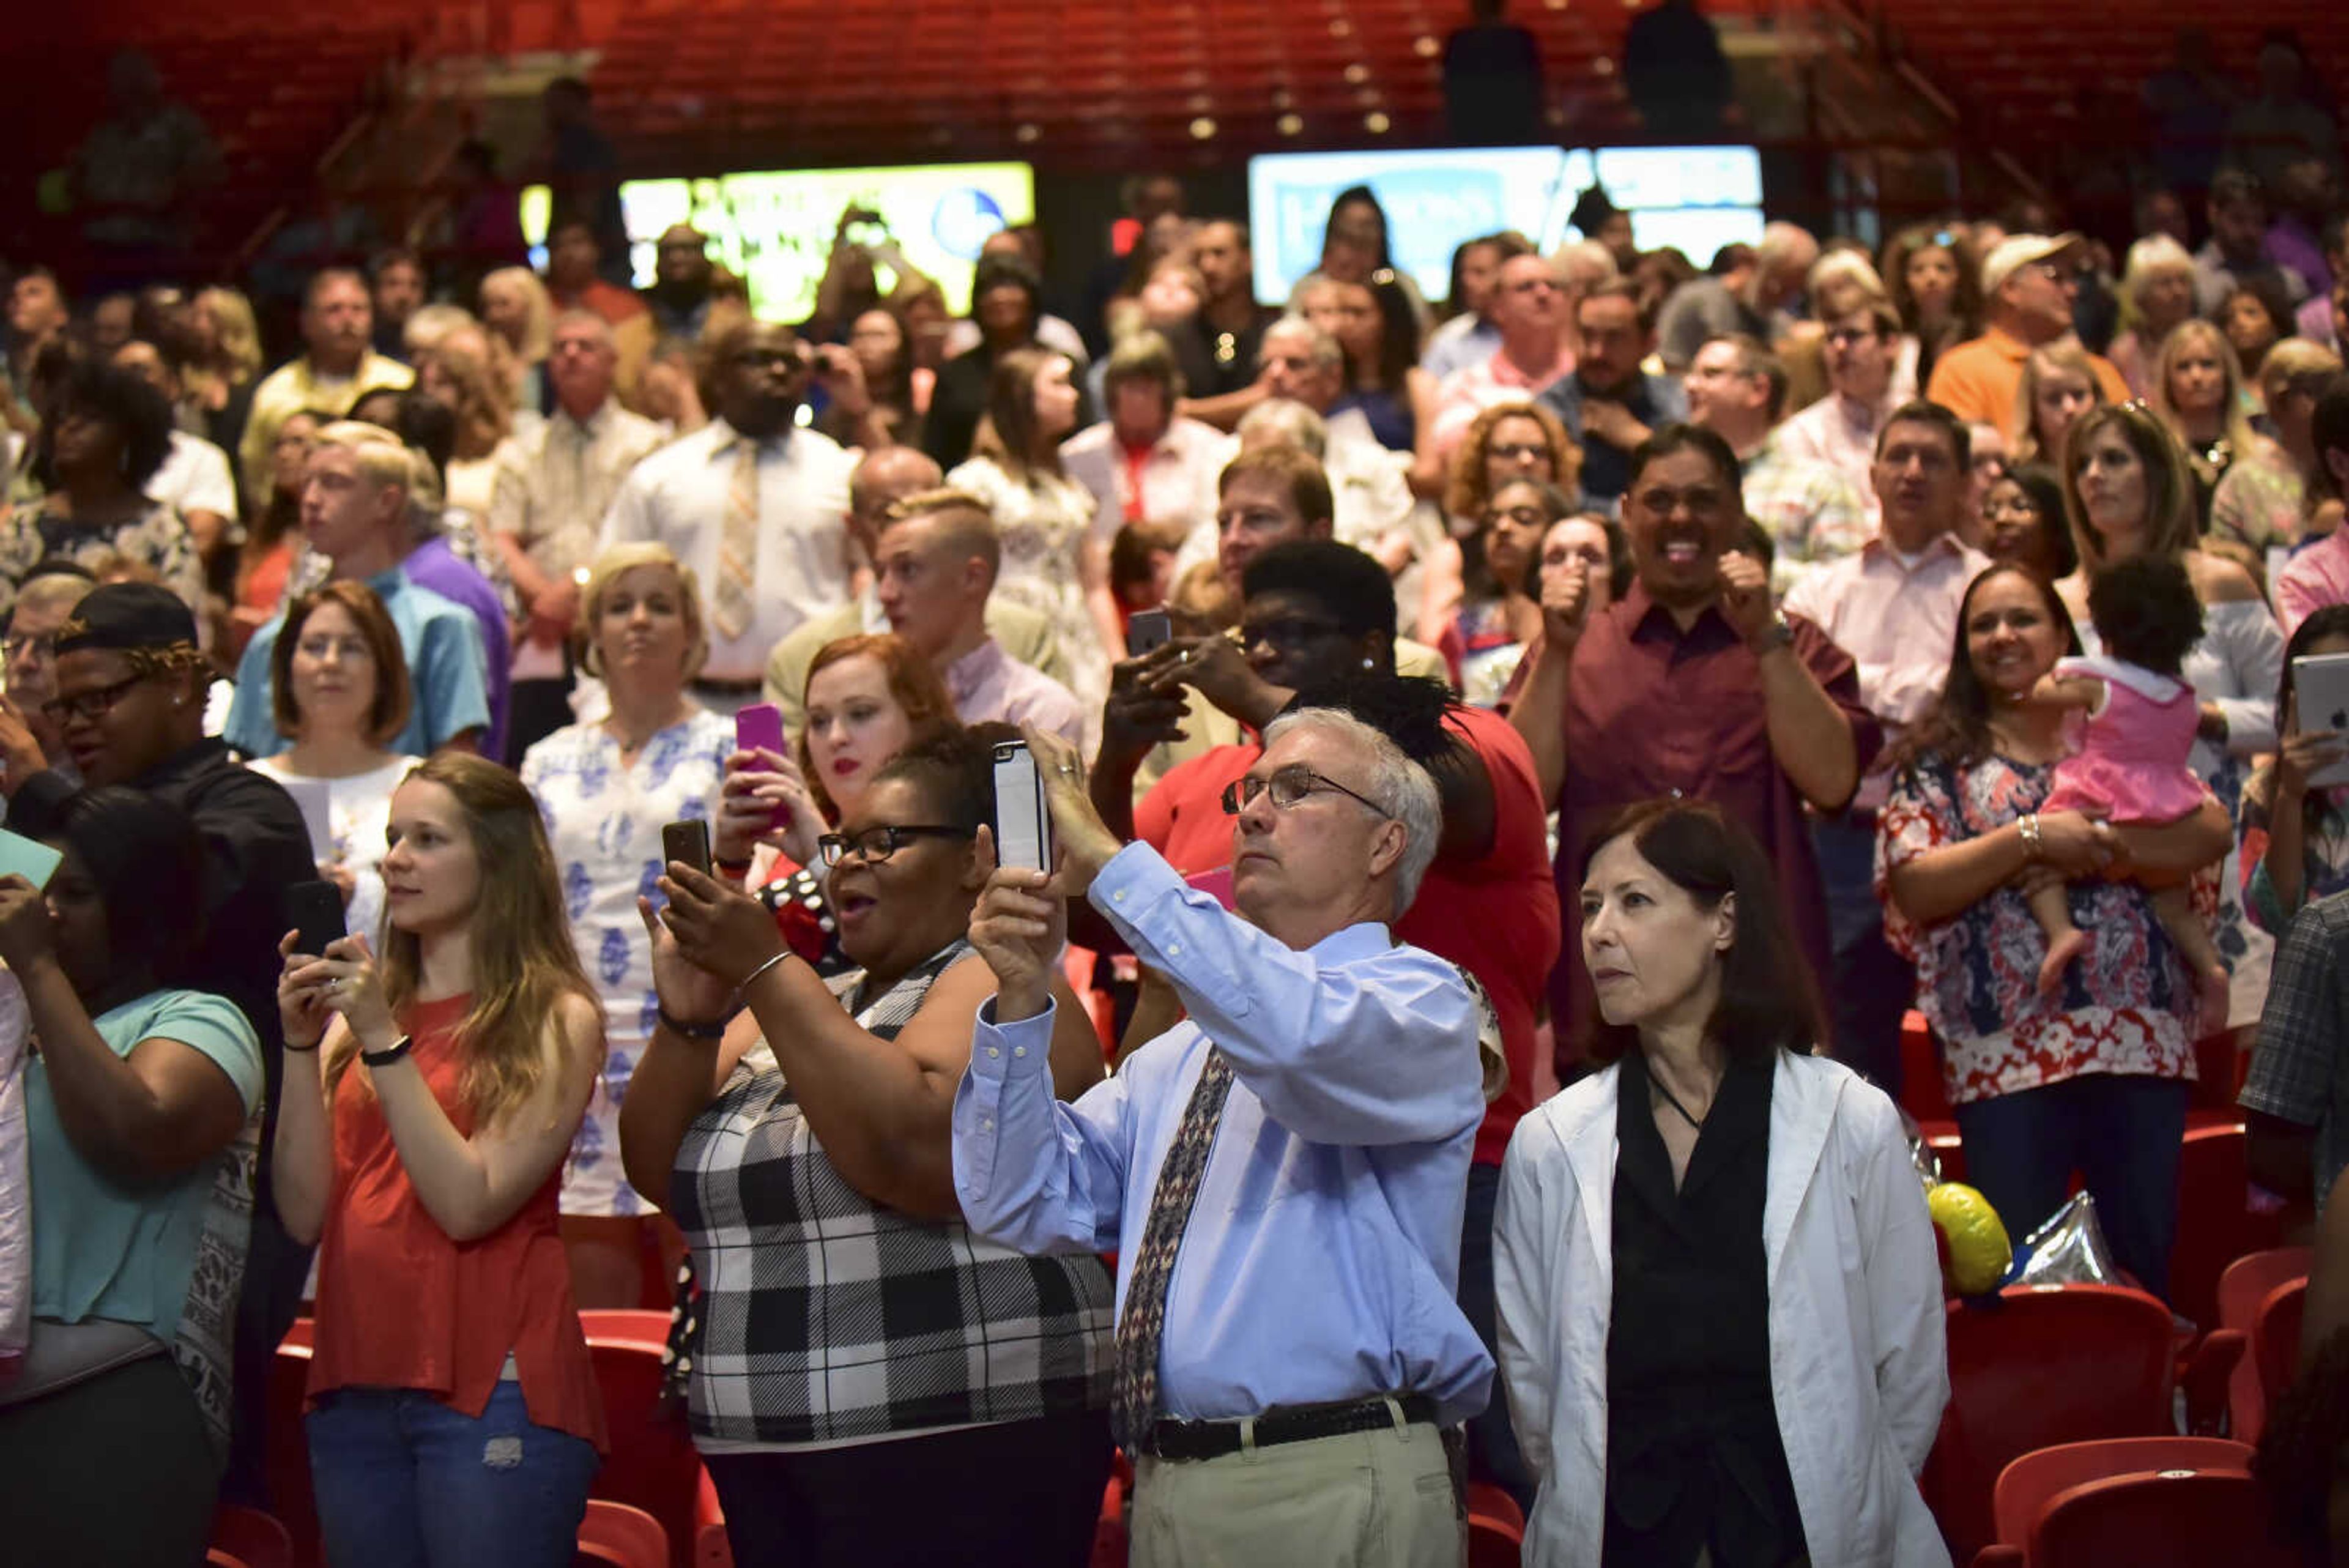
(404, 1481)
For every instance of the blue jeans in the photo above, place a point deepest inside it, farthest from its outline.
(2124, 1135)
(1493, 1453)
(404, 1481)
(1870, 986)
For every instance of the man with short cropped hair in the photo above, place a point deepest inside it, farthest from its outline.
(1610, 405)
(1230, 323)
(1737, 388)
(1528, 308)
(1841, 428)
(555, 483)
(1893, 606)
(934, 566)
(2237, 251)
(335, 365)
(365, 500)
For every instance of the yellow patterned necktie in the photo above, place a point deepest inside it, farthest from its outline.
(738, 549)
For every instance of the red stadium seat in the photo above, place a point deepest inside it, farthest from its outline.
(711, 1547)
(2025, 1487)
(2215, 1221)
(615, 1535)
(2166, 1516)
(652, 1464)
(2242, 1289)
(1496, 1528)
(2035, 1366)
(252, 1537)
(2275, 1337)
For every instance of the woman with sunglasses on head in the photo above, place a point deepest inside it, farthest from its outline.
(805, 1148)
(431, 1094)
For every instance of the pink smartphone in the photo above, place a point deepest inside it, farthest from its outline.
(760, 726)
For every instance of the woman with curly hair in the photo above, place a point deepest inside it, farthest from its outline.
(1505, 443)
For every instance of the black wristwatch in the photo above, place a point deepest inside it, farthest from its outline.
(389, 1053)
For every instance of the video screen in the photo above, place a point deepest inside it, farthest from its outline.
(774, 229)
(1696, 198)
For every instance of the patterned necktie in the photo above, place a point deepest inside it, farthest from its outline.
(1139, 1327)
(738, 549)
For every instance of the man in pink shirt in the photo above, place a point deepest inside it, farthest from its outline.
(1529, 308)
(2319, 574)
(1841, 428)
(1893, 606)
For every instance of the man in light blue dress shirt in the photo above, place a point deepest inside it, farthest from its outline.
(1311, 1345)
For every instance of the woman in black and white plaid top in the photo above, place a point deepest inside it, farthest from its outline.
(869, 1383)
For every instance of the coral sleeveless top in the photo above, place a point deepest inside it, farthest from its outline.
(401, 1305)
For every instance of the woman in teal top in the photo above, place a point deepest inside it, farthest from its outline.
(142, 1112)
(2295, 836)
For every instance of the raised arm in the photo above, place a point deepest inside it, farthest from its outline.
(1813, 737)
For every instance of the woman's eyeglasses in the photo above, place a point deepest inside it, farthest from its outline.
(1288, 786)
(879, 843)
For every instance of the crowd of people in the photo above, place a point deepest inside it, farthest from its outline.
(1513, 762)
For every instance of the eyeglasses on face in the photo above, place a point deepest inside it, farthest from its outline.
(89, 706)
(880, 843)
(1288, 786)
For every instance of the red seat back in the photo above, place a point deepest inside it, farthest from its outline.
(2169, 1516)
(2275, 1337)
(626, 1537)
(652, 1465)
(2242, 1289)
(641, 1325)
(2215, 1222)
(1496, 1528)
(254, 1538)
(2025, 1487)
(2035, 1366)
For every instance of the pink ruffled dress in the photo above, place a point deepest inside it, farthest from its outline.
(2131, 764)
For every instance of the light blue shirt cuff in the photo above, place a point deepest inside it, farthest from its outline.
(1002, 1056)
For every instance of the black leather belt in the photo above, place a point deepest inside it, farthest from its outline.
(1173, 1439)
(728, 687)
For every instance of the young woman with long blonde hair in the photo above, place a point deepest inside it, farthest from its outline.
(431, 1092)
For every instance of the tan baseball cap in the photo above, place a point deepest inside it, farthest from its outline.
(2021, 250)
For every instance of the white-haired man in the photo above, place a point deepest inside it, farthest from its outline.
(1282, 1396)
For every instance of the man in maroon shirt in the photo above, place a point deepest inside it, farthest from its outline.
(1690, 684)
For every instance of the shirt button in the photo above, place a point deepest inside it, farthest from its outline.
(1020, 1050)
(1176, 951)
(994, 1051)
(1118, 896)
(987, 1124)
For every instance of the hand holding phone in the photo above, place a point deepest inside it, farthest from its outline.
(1023, 822)
(1148, 630)
(316, 909)
(759, 727)
(687, 842)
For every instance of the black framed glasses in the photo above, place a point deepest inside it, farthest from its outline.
(89, 706)
(880, 843)
(1288, 786)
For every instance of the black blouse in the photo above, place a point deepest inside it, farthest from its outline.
(1693, 1455)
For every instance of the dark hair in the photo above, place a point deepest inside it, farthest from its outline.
(1411, 710)
(387, 711)
(2328, 429)
(139, 413)
(1957, 727)
(1918, 412)
(1769, 1001)
(1398, 331)
(1673, 439)
(428, 424)
(1000, 271)
(147, 861)
(1965, 304)
(1557, 507)
(1363, 195)
(1353, 588)
(2233, 187)
(2044, 486)
(954, 771)
(2145, 610)
(2269, 296)
(390, 256)
(1505, 243)
(1618, 287)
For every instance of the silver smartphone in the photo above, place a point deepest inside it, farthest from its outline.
(2320, 690)
(1023, 825)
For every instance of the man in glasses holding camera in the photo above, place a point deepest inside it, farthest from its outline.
(1282, 1173)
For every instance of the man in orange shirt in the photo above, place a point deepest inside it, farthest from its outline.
(2029, 282)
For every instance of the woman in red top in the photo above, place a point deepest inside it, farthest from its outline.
(430, 1096)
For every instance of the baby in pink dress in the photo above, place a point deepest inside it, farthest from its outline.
(2131, 767)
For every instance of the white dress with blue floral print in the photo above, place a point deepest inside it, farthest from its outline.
(605, 824)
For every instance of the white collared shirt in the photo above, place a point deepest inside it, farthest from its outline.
(678, 496)
(1178, 478)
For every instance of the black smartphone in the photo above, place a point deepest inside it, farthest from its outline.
(1148, 630)
(689, 842)
(315, 909)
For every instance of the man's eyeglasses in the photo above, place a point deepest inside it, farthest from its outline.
(1700, 501)
(879, 843)
(89, 706)
(1288, 786)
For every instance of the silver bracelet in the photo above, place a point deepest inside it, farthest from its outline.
(744, 989)
(2029, 827)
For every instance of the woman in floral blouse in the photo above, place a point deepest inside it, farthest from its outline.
(2092, 1077)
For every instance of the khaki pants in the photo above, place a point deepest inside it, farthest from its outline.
(1361, 1499)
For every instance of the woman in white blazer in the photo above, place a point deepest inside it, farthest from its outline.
(1721, 1323)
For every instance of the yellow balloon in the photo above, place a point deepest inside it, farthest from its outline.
(1979, 1253)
